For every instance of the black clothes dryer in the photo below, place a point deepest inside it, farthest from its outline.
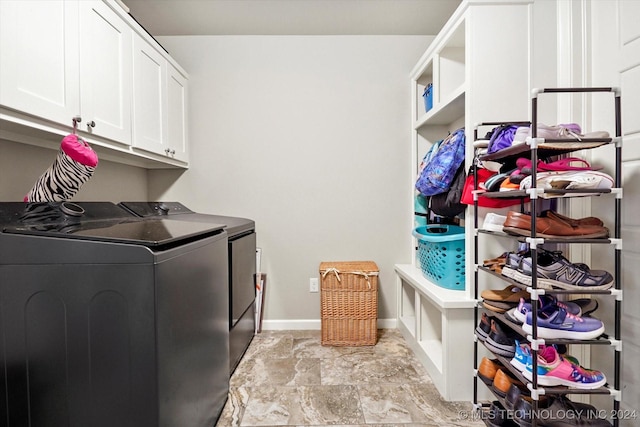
(242, 266)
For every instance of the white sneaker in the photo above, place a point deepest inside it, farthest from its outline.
(567, 131)
(569, 180)
(493, 222)
(521, 135)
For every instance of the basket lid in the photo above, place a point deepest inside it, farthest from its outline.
(366, 266)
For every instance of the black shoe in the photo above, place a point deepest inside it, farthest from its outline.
(559, 412)
(501, 342)
(498, 416)
(523, 411)
(512, 397)
(484, 327)
(587, 305)
(565, 413)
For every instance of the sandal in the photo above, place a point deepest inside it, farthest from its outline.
(497, 260)
(497, 267)
(557, 166)
(565, 165)
(510, 294)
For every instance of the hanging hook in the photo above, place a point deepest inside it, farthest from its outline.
(76, 120)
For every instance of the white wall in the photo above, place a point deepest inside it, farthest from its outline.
(585, 50)
(309, 136)
(616, 61)
(21, 165)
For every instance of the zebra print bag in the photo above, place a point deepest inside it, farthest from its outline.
(73, 166)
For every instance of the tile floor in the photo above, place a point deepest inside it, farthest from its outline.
(287, 378)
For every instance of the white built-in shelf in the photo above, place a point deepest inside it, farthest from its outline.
(440, 297)
(465, 80)
(444, 112)
(435, 322)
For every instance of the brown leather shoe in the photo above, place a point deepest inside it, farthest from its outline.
(519, 224)
(590, 220)
(503, 381)
(487, 370)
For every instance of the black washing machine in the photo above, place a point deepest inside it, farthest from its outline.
(242, 266)
(111, 320)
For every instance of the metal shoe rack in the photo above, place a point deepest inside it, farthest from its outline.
(537, 149)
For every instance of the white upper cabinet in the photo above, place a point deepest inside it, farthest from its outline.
(149, 98)
(177, 113)
(39, 71)
(105, 71)
(159, 103)
(60, 59)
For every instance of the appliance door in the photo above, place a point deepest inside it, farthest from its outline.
(242, 262)
(192, 333)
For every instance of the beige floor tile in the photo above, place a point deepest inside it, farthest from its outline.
(287, 378)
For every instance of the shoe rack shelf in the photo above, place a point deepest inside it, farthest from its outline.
(540, 148)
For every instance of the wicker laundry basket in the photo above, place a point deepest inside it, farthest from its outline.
(349, 303)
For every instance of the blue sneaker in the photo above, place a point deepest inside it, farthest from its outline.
(524, 307)
(557, 323)
(522, 356)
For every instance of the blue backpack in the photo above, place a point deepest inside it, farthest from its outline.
(441, 166)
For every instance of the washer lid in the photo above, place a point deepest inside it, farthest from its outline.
(153, 233)
(235, 226)
(152, 209)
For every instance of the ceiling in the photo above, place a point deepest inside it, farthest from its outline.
(292, 17)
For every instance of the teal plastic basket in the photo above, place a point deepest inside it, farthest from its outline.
(441, 254)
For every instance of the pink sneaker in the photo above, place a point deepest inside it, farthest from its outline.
(554, 370)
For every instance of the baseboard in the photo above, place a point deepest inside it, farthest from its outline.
(312, 324)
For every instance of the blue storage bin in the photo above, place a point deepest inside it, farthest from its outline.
(428, 97)
(441, 254)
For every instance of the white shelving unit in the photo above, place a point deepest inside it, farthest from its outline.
(472, 82)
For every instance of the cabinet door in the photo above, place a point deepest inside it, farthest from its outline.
(177, 113)
(39, 58)
(106, 72)
(149, 98)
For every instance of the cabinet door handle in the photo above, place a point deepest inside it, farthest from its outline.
(173, 152)
(91, 125)
(76, 120)
(167, 151)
